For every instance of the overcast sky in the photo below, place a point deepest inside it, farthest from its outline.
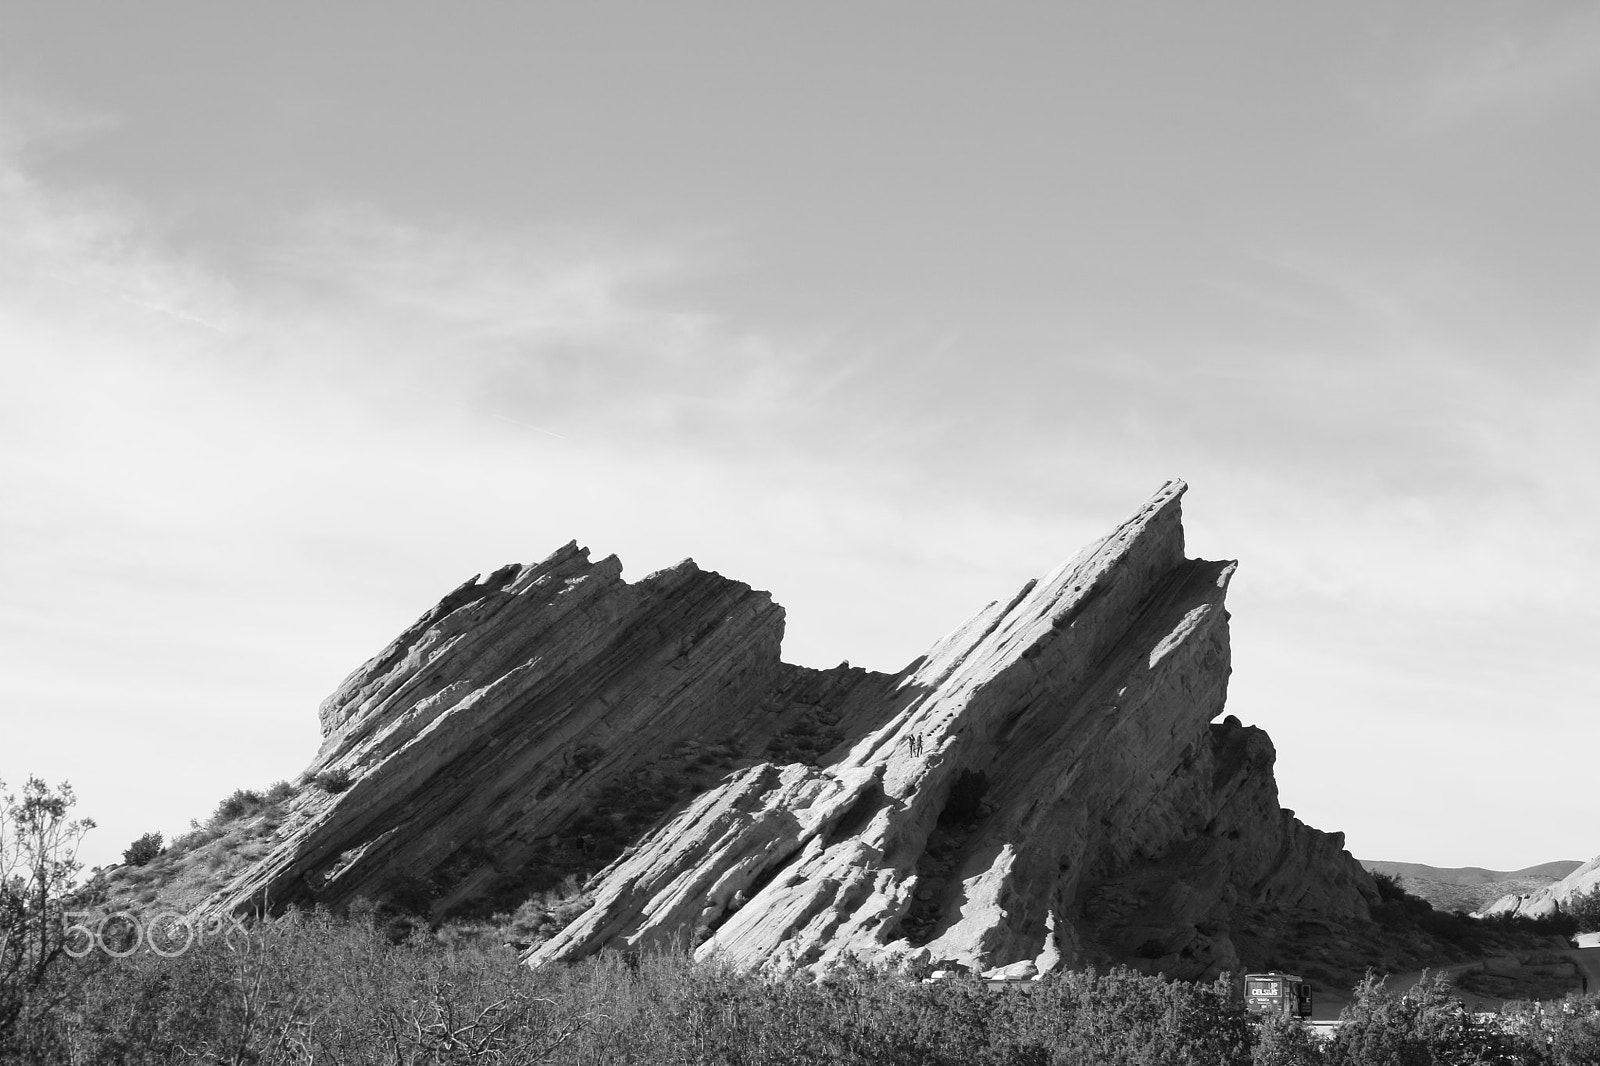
(310, 312)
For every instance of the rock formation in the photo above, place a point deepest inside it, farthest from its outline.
(1046, 786)
(1551, 898)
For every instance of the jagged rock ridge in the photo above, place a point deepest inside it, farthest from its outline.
(1045, 786)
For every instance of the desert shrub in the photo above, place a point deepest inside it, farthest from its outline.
(334, 781)
(1425, 1026)
(144, 850)
(1124, 1018)
(198, 836)
(1558, 923)
(308, 987)
(1576, 1040)
(697, 1012)
(241, 804)
(546, 913)
(38, 862)
(1283, 1041)
(1584, 910)
(1561, 1034)
(1390, 887)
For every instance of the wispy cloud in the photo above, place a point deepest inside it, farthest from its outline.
(533, 285)
(193, 458)
(231, 480)
(1511, 65)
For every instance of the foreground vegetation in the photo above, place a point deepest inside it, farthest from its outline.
(146, 986)
(311, 988)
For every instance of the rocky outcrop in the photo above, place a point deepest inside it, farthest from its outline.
(1552, 898)
(478, 746)
(1046, 786)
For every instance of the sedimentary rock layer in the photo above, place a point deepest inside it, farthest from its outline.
(1045, 786)
(492, 725)
(1551, 898)
(1029, 769)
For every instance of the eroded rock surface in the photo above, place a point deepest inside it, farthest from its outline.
(1551, 898)
(1047, 786)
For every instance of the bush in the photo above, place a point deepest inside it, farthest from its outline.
(313, 988)
(1427, 1025)
(1390, 889)
(241, 804)
(38, 861)
(546, 913)
(308, 987)
(1575, 1039)
(334, 781)
(197, 836)
(1584, 909)
(1558, 923)
(1283, 1041)
(144, 850)
(1564, 1034)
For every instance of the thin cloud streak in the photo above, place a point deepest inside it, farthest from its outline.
(1516, 68)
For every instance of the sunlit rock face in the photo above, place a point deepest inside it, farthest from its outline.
(1553, 898)
(1047, 786)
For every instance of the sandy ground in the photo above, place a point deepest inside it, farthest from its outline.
(1328, 1004)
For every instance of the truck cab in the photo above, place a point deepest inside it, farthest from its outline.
(1277, 993)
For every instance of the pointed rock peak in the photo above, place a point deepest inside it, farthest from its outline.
(1171, 489)
(1160, 516)
(682, 568)
(568, 553)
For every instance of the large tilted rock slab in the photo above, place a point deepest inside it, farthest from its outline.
(491, 724)
(1058, 740)
(1552, 898)
(1047, 786)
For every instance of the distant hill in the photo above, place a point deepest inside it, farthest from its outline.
(1470, 888)
(1553, 897)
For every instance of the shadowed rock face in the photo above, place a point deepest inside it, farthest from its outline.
(1044, 787)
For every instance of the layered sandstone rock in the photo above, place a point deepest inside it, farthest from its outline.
(1551, 898)
(476, 740)
(1044, 787)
